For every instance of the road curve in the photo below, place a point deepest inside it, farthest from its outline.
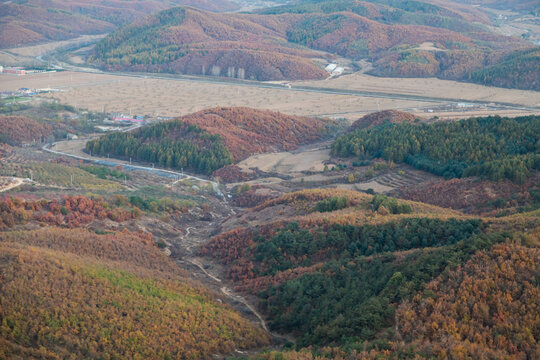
(157, 171)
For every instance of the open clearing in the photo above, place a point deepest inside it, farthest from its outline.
(163, 97)
(172, 97)
(287, 162)
(430, 87)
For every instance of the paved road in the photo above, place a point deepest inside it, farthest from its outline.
(292, 87)
(128, 166)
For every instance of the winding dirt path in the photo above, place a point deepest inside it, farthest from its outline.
(224, 289)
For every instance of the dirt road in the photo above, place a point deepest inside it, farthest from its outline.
(16, 182)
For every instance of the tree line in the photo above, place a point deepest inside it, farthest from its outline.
(173, 144)
(350, 300)
(492, 147)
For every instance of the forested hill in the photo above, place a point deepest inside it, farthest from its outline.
(15, 130)
(403, 39)
(382, 117)
(210, 139)
(172, 144)
(355, 276)
(521, 67)
(23, 22)
(72, 293)
(185, 40)
(247, 131)
(492, 147)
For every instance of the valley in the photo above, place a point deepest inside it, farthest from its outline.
(264, 180)
(346, 97)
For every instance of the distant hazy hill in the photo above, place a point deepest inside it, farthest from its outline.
(44, 20)
(532, 6)
(185, 40)
(411, 38)
(403, 39)
(210, 139)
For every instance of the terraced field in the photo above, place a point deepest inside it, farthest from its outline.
(403, 176)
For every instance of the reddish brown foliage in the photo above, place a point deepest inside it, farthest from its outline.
(18, 129)
(314, 195)
(470, 195)
(119, 295)
(241, 46)
(135, 248)
(255, 285)
(378, 118)
(22, 24)
(63, 19)
(70, 211)
(247, 131)
(254, 196)
(231, 174)
(229, 246)
(486, 309)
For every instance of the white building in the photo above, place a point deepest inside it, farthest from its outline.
(330, 67)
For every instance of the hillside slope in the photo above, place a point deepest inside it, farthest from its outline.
(382, 117)
(210, 139)
(402, 39)
(63, 300)
(486, 308)
(248, 131)
(355, 276)
(492, 147)
(190, 41)
(22, 23)
(15, 130)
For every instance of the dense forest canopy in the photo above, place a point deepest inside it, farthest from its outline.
(518, 67)
(350, 300)
(492, 147)
(172, 144)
